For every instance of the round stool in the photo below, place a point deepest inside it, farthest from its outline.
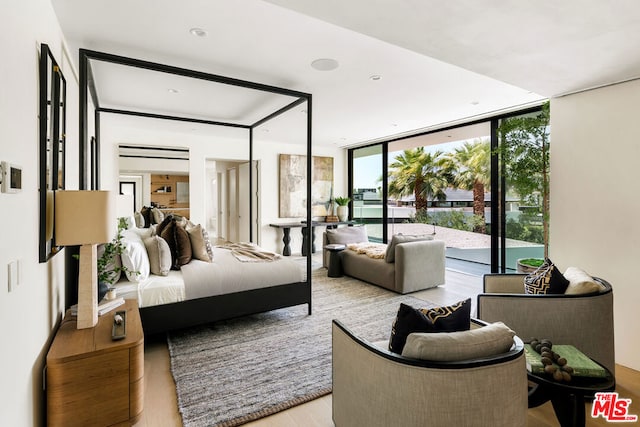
(335, 264)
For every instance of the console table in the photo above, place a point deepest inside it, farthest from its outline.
(93, 380)
(286, 232)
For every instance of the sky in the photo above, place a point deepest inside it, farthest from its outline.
(368, 170)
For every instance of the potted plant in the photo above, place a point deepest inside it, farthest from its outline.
(528, 265)
(343, 208)
(109, 264)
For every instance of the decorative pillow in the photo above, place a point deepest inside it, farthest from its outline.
(396, 239)
(451, 318)
(346, 235)
(139, 219)
(159, 255)
(146, 214)
(130, 221)
(546, 279)
(179, 243)
(198, 243)
(166, 221)
(143, 233)
(134, 257)
(207, 242)
(157, 216)
(580, 282)
(489, 340)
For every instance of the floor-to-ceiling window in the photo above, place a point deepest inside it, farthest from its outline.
(523, 142)
(449, 183)
(366, 189)
(438, 183)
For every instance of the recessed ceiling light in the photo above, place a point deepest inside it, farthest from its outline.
(475, 102)
(325, 64)
(198, 32)
(172, 90)
(375, 77)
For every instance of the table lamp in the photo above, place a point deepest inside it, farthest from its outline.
(85, 218)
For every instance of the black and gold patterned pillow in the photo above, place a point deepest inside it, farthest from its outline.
(451, 318)
(546, 279)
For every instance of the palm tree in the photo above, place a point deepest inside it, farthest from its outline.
(471, 166)
(418, 172)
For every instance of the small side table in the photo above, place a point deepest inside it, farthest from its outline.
(93, 380)
(335, 264)
(568, 399)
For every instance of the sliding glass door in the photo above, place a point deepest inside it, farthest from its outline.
(479, 187)
(438, 184)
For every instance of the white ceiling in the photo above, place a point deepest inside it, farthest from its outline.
(439, 62)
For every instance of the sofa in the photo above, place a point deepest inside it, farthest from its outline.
(408, 263)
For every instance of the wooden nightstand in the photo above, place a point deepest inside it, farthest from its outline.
(93, 380)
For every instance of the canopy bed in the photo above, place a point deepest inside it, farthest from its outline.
(235, 296)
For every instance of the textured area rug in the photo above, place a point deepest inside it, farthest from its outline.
(232, 372)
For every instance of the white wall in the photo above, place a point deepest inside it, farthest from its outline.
(227, 146)
(28, 314)
(267, 153)
(594, 223)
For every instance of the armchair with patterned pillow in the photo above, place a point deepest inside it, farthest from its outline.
(471, 377)
(576, 309)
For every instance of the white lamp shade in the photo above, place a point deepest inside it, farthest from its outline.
(84, 217)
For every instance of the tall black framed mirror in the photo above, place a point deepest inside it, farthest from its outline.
(52, 133)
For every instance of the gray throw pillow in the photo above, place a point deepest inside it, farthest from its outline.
(486, 341)
(200, 246)
(397, 239)
(159, 255)
(345, 235)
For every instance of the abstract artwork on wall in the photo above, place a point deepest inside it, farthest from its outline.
(293, 184)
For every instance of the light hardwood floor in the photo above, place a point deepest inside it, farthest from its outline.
(161, 407)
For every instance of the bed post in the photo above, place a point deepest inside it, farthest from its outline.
(309, 177)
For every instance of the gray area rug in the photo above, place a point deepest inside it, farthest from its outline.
(232, 372)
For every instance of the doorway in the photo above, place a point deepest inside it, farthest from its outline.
(230, 207)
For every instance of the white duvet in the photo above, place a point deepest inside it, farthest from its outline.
(200, 279)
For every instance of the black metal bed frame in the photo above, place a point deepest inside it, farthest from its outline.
(183, 314)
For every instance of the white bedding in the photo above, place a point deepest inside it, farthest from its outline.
(200, 279)
(155, 290)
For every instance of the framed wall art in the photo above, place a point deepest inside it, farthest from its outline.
(293, 188)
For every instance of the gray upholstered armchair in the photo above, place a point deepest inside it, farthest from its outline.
(374, 387)
(582, 320)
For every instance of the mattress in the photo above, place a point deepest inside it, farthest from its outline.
(199, 279)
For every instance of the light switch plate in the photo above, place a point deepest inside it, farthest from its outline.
(13, 275)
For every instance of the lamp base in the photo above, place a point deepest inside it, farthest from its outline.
(88, 287)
